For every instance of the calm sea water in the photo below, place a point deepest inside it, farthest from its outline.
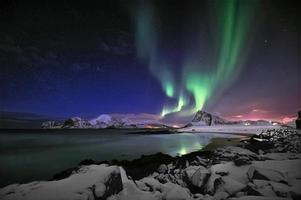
(26, 157)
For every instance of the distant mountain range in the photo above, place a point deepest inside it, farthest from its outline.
(108, 121)
(15, 120)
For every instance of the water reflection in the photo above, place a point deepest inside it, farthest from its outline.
(28, 157)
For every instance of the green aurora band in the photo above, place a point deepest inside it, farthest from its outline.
(147, 48)
(233, 23)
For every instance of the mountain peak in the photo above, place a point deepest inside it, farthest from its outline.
(206, 119)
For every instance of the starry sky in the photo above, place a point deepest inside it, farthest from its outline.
(66, 58)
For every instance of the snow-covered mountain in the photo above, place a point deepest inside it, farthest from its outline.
(206, 119)
(109, 121)
(203, 118)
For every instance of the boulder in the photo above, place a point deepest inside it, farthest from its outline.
(152, 183)
(261, 191)
(172, 191)
(200, 177)
(230, 153)
(162, 168)
(134, 191)
(89, 182)
(202, 161)
(212, 183)
(231, 186)
(220, 195)
(266, 174)
(189, 171)
(242, 160)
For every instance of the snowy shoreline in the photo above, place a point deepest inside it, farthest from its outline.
(230, 129)
(251, 170)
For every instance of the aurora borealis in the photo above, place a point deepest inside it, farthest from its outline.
(232, 21)
(239, 59)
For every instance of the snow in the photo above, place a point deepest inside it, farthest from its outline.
(77, 186)
(251, 129)
(104, 118)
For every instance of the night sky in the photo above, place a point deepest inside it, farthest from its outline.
(63, 58)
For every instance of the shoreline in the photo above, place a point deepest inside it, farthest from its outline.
(31, 172)
(134, 163)
(140, 167)
(264, 166)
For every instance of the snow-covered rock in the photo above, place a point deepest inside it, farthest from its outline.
(149, 188)
(89, 182)
(162, 168)
(200, 176)
(266, 174)
(230, 153)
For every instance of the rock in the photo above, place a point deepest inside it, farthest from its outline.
(162, 168)
(230, 153)
(170, 166)
(221, 173)
(195, 163)
(202, 161)
(260, 152)
(198, 196)
(155, 174)
(189, 171)
(262, 191)
(220, 196)
(280, 140)
(89, 182)
(131, 191)
(280, 189)
(187, 163)
(200, 177)
(240, 194)
(168, 191)
(231, 186)
(298, 121)
(152, 183)
(266, 174)
(172, 191)
(211, 185)
(258, 198)
(243, 160)
(141, 186)
(162, 178)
